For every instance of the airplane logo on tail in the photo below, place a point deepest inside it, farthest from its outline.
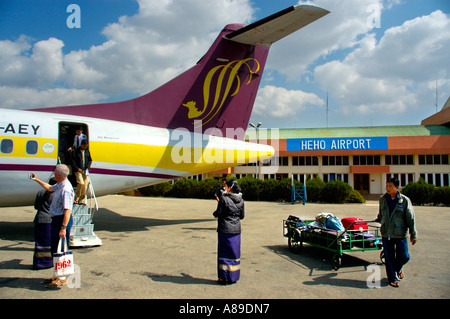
(226, 75)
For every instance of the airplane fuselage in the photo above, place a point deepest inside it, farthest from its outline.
(193, 124)
(125, 156)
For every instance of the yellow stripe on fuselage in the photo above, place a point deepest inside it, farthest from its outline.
(186, 159)
(183, 159)
(19, 148)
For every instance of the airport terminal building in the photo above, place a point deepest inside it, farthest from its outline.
(363, 157)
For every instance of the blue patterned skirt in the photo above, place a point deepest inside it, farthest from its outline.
(42, 257)
(229, 257)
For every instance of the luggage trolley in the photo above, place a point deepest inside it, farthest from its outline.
(359, 235)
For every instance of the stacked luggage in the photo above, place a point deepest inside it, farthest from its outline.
(333, 234)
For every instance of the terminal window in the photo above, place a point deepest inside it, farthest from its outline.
(366, 160)
(251, 164)
(399, 159)
(303, 177)
(403, 179)
(276, 161)
(305, 161)
(335, 177)
(437, 179)
(335, 160)
(436, 159)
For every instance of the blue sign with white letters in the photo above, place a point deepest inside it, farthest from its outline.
(337, 143)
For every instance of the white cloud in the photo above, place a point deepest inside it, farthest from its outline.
(142, 52)
(29, 72)
(417, 50)
(26, 98)
(338, 30)
(363, 74)
(278, 102)
(146, 50)
(392, 76)
(38, 68)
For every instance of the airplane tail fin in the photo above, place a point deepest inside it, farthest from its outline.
(220, 90)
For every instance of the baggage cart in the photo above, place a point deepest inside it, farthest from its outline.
(351, 239)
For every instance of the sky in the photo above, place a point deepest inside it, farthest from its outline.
(367, 63)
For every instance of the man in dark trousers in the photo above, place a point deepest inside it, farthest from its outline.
(396, 216)
(81, 162)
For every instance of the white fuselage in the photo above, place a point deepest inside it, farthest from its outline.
(125, 156)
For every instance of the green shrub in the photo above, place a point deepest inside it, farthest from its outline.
(157, 190)
(355, 197)
(184, 188)
(419, 193)
(335, 192)
(441, 195)
(251, 187)
(285, 189)
(314, 188)
(206, 188)
(317, 190)
(268, 190)
(275, 190)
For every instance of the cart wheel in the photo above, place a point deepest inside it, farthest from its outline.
(382, 257)
(336, 261)
(295, 242)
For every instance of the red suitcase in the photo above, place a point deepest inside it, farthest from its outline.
(356, 226)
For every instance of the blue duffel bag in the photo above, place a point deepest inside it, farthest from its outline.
(333, 222)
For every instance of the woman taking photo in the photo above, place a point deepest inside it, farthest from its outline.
(230, 210)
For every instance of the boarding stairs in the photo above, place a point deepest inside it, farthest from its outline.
(82, 231)
(298, 194)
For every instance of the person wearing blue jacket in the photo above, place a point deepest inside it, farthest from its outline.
(396, 216)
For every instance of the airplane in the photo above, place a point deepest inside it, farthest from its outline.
(193, 124)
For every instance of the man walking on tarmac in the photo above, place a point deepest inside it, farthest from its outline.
(60, 211)
(396, 216)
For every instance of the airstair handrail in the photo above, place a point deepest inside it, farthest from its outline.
(91, 189)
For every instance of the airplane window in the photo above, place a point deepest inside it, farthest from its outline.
(32, 147)
(6, 146)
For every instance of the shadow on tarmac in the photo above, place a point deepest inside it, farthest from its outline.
(183, 279)
(17, 231)
(315, 258)
(23, 283)
(331, 279)
(318, 260)
(14, 264)
(107, 220)
(104, 219)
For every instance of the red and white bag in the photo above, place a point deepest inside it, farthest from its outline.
(359, 223)
(63, 260)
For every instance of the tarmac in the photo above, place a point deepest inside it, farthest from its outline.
(166, 248)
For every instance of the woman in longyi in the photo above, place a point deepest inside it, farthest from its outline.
(230, 210)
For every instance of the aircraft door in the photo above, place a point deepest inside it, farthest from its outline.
(70, 134)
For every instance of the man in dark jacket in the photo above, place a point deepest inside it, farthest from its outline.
(81, 162)
(230, 210)
(396, 216)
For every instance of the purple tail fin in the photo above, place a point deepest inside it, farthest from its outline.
(219, 91)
